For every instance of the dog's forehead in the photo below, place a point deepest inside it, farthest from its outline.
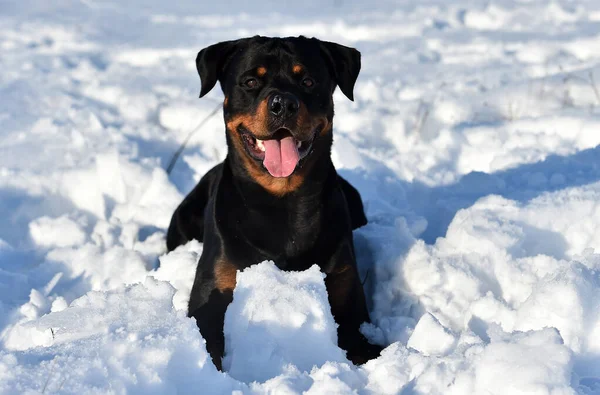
(282, 52)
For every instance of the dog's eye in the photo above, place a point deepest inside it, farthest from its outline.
(251, 83)
(308, 82)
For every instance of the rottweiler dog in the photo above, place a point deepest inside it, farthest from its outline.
(277, 195)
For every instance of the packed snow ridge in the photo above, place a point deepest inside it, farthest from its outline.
(473, 141)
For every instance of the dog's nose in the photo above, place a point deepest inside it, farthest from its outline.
(283, 105)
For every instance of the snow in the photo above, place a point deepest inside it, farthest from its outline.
(43, 232)
(129, 340)
(473, 139)
(278, 319)
(429, 337)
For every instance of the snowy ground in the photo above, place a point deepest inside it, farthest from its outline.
(474, 140)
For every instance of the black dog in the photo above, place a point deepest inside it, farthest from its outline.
(277, 195)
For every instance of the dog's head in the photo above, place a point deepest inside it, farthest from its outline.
(278, 104)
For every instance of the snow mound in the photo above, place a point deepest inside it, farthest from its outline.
(280, 337)
(430, 337)
(523, 363)
(56, 232)
(179, 268)
(126, 341)
(278, 319)
(534, 362)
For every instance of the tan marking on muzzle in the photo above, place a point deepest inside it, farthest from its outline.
(326, 129)
(257, 124)
(275, 186)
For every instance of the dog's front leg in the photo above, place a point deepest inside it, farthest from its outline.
(348, 305)
(211, 294)
(210, 317)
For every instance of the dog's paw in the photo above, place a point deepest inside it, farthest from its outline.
(364, 353)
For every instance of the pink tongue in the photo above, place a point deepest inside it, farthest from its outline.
(281, 156)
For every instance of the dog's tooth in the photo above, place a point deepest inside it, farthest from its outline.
(298, 143)
(260, 144)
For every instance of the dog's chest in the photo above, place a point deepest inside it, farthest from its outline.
(285, 231)
(279, 232)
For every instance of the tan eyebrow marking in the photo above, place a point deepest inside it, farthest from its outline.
(261, 71)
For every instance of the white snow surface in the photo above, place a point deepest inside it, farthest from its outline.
(474, 139)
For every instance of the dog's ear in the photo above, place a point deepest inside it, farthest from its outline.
(212, 61)
(344, 63)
